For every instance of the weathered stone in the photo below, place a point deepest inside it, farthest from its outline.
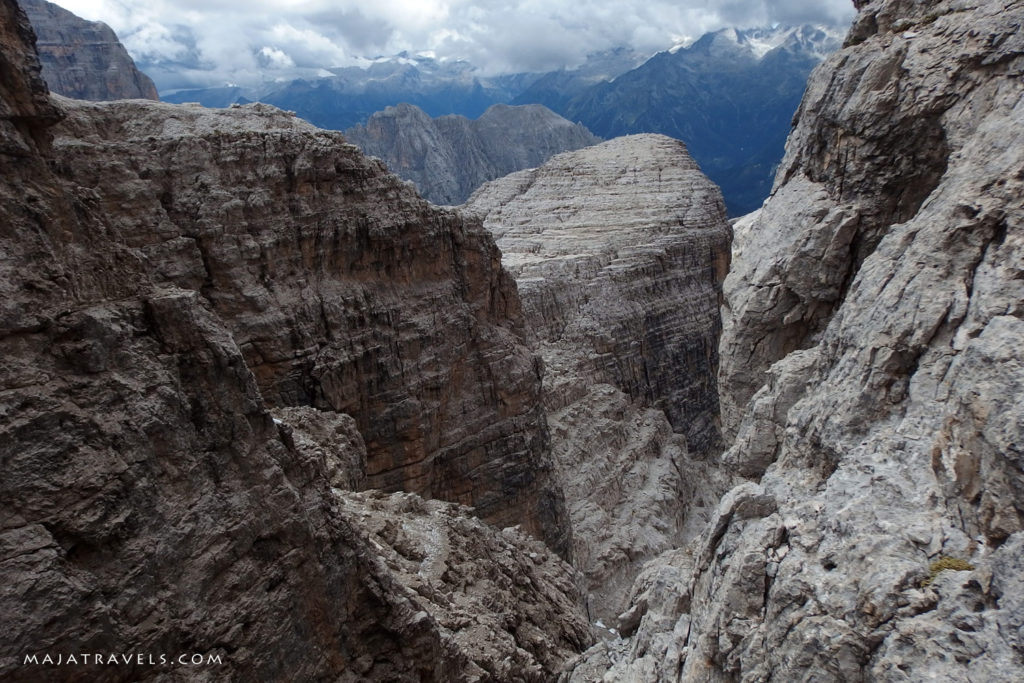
(343, 289)
(871, 370)
(171, 276)
(618, 251)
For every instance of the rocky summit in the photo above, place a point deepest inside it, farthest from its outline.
(84, 59)
(619, 251)
(451, 156)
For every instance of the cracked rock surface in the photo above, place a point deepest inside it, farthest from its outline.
(871, 376)
(84, 59)
(211, 325)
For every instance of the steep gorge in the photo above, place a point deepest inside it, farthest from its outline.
(217, 327)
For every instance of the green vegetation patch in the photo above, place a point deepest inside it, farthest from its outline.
(946, 563)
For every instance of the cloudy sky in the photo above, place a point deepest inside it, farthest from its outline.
(212, 42)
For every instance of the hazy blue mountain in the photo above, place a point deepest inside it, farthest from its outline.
(346, 96)
(216, 98)
(556, 89)
(730, 96)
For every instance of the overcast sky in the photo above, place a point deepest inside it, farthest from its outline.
(212, 42)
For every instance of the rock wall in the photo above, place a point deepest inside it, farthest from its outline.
(210, 324)
(618, 251)
(451, 156)
(871, 362)
(84, 59)
(341, 287)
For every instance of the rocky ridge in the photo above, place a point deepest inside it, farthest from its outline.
(870, 368)
(619, 251)
(451, 156)
(199, 358)
(84, 59)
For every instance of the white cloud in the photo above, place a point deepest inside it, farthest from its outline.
(273, 58)
(210, 42)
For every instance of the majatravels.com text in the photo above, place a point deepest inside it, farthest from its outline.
(123, 659)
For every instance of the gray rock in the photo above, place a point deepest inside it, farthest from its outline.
(84, 59)
(618, 251)
(174, 282)
(451, 156)
(871, 375)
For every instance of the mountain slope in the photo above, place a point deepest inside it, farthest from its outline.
(449, 157)
(213, 326)
(84, 59)
(619, 251)
(730, 97)
(871, 374)
(557, 88)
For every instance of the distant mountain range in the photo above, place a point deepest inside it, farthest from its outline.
(730, 96)
(350, 95)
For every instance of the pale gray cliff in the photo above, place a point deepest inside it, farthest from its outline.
(619, 251)
(872, 370)
(84, 59)
(451, 156)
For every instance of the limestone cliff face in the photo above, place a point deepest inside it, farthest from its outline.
(451, 156)
(618, 251)
(84, 59)
(211, 325)
(341, 287)
(872, 363)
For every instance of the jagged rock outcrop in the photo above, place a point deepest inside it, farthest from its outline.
(872, 363)
(618, 251)
(342, 288)
(451, 156)
(84, 59)
(211, 321)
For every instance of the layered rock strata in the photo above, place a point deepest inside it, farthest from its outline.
(451, 156)
(618, 251)
(341, 287)
(211, 323)
(84, 59)
(872, 366)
